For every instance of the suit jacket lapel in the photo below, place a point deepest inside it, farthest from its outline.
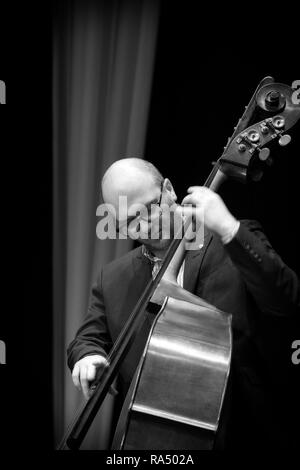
(142, 271)
(193, 263)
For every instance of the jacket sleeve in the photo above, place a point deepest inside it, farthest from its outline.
(274, 286)
(93, 336)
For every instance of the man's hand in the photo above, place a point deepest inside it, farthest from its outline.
(85, 371)
(209, 205)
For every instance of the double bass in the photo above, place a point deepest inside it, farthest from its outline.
(187, 356)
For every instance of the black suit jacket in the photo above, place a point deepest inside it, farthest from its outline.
(245, 278)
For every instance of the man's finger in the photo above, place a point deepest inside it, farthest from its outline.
(100, 361)
(75, 376)
(188, 199)
(189, 211)
(91, 372)
(191, 189)
(84, 381)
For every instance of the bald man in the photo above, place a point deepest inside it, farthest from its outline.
(236, 270)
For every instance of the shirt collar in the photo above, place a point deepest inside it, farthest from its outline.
(149, 255)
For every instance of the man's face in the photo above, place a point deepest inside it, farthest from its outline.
(143, 210)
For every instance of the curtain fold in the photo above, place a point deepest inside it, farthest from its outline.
(102, 73)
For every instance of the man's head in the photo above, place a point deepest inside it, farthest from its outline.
(142, 184)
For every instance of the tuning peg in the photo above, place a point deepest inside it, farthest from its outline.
(264, 154)
(284, 140)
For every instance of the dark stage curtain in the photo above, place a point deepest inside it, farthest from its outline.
(102, 74)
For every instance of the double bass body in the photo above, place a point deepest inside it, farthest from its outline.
(178, 390)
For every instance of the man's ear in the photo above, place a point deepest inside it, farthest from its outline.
(169, 187)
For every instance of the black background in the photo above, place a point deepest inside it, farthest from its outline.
(26, 192)
(207, 67)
